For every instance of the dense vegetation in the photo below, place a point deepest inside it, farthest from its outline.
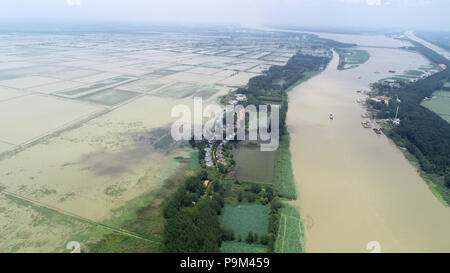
(430, 54)
(421, 131)
(191, 213)
(351, 58)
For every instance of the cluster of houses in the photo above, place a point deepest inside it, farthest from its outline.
(238, 98)
(392, 83)
(219, 150)
(208, 156)
(384, 99)
(219, 155)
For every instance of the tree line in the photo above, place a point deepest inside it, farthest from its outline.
(424, 133)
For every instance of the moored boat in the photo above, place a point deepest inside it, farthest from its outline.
(377, 131)
(366, 124)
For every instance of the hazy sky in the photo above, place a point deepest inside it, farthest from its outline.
(359, 13)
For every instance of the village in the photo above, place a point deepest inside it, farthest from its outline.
(214, 150)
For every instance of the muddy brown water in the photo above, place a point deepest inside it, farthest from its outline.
(354, 186)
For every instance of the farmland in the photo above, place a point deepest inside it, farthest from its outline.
(440, 104)
(35, 115)
(283, 175)
(88, 137)
(254, 165)
(290, 236)
(243, 219)
(109, 97)
(411, 75)
(239, 247)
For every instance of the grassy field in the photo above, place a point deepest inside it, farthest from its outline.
(442, 93)
(290, 235)
(36, 225)
(183, 90)
(143, 85)
(447, 85)
(440, 104)
(283, 175)
(194, 163)
(416, 73)
(427, 68)
(254, 165)
(351, 58)
(239, 247)
(243, 219)
(109, 97)
(96, 86)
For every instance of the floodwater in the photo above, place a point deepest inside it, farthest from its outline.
(254, 165)
(354, 186)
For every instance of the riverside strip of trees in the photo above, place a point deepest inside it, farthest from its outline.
(193, 212)
(421, 131)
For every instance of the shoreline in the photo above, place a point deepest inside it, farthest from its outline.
(430, 179)
(284, 150)
(353, 186)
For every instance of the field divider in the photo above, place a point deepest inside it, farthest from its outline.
(78, 217)
(9, 143)
(284, 233)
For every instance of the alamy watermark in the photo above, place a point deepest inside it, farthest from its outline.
(228, 124)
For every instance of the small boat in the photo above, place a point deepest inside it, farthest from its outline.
(366, 124)
(331, 116)
(377, 131)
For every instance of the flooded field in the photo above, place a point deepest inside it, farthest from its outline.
(254, 165)
(86, 124)
(354, 186)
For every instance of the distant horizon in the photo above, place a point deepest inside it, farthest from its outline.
(49, 25)
(371, 14)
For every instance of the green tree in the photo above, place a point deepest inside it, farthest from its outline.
(255, 188)
(265, 239)
(250, 238)
(239, 197)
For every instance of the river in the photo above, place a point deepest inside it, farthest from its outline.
(354, 186)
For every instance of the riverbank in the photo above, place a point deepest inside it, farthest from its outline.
(420, 133)
(435, 182)
(355, 186)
